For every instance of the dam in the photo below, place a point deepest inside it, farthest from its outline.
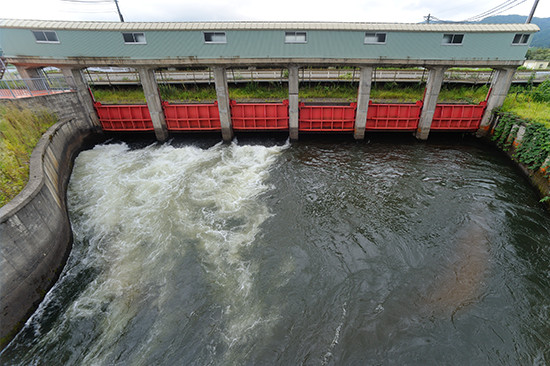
(341, 250)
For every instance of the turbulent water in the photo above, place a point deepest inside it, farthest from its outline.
(314, 253)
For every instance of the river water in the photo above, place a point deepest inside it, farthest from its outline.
(264, 252)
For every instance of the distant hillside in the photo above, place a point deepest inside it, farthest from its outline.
(541, 39)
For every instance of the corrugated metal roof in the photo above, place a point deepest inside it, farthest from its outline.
(182, 26)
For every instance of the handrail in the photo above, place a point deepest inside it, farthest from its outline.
(3, 67)
(18, 88)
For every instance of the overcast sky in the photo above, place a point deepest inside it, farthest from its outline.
(402, 11)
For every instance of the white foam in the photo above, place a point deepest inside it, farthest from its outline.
(133, 206)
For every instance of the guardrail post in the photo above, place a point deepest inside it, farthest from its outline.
(293, 101)
(222, 95)
(154, 103)
(75, 80)
(8, 85)
(363, 96)
(433, 87)
(500, 86)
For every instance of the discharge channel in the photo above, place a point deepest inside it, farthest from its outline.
(312, 253)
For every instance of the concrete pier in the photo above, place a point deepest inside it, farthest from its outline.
(33, 75)
(222, 94)
(76, 81)
(154, 103)
(499, 89)
(293, 101)
(28, 72)
(433, 87)
(363, 97)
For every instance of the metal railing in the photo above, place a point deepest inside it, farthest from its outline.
(235, 75)
(18, 88)
(3, 66)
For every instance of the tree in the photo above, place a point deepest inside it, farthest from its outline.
(538, 53)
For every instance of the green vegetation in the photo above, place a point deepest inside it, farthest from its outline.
(182, 93)
(530, 103)
(381, 92)
(535, 145)
(20, 130)
(133, 95)
(346, 91)
(396, 93)
(538, 53)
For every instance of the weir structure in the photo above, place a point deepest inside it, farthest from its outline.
(146, 47)
(35, 230)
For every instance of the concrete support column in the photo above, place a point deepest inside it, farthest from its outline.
(433, 87)
(293, 101)
(154, 103)
(31, 73)
(76, 81)
(499, 89)
(363, 96)
(28, 72)
(222, 94)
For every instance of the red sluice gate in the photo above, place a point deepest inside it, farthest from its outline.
(393, 117)
(326, 118)
(458, 117)
(192, 117)
(124, 117)
(259, 116)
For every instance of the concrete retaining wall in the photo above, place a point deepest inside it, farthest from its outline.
(540, 179)
(36, 235)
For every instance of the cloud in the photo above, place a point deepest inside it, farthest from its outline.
(291, 10)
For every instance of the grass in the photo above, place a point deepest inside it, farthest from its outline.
(519, 100)
(463, 94)
(20, 130)
(381, 92)
(524, 106)
(529, 102)
(133, 95)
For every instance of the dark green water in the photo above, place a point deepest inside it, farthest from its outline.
(311, 253)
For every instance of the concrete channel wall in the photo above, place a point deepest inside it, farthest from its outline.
(35, 232)
(539, 179)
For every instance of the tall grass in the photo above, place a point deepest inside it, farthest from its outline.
(463, 94)
(182, 93)
(524, 106)
(529, 102)
(20, 130)
(396, 93)
(520, 100)
(380, 92)
(132, 95)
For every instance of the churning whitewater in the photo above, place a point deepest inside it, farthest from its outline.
(137, 215)
(319, 253)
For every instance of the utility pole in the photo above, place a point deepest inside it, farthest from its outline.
(530, 17)
(428, 18)
(119, 13)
